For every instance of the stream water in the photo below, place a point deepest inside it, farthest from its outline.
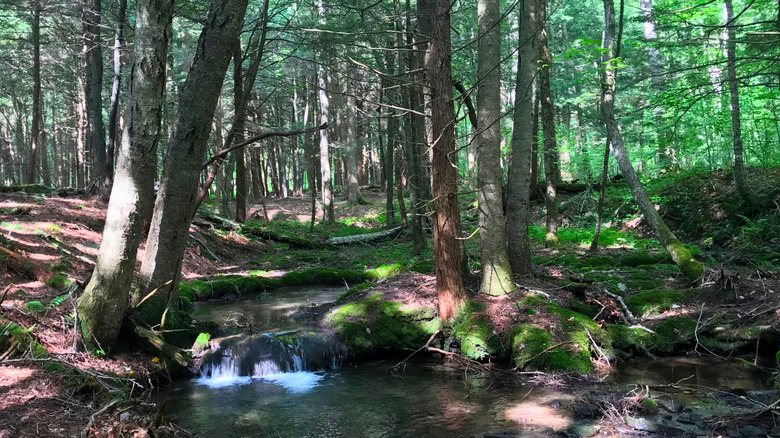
(259, 387)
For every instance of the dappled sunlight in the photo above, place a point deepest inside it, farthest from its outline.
(535, 414)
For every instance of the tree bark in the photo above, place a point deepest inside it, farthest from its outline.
(496, 272)
(102, 307)
(113, 113)
(736, 124)
(328, 215)
(91, 16)
(35, 134)
(523, 138)
(179, 187)
(446, 217)
(656, 75)
(679, 253)
(551, 171)
(238, 133)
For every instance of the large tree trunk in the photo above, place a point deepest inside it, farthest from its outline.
(523, 138)
(239, 107)
(91, 16)
(179, 188)
(417, 142)
(102, 306)
(328, 215)
(113, 113)
(350, 143)
(496, 272)
(35, 135)
(680, 254)
(81, 133)
(551, 171)
(736, 124)
(446, 217)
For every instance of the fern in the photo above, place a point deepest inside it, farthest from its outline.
(59, 300)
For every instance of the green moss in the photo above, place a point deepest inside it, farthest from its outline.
(323, 276)
(178, 328)
(661, 267)
(386, 271)
(34, 306)
(372, 325)
(639, 258)
(684, 259)
(354, 290)
(599, 277)
(201, 342)
(57, 280)
(644, 284)
(599, 261)
(649, 303)
(627, 340)
(648, 403)
(580, 307)
(186, 294)
(671, 333)
(13, 333)
(475, 332)
(528, 350)
(566, 260)
(423, 267)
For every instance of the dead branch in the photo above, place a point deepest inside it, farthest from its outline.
(395, 368)
(552, 347)
(85, 432)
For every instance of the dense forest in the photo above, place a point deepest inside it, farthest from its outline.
(579, 197)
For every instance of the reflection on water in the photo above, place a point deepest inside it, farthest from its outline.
(363, 401)
(705, 371)
(270, 311)
(245, 391)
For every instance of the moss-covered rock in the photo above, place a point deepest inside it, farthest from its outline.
(639, 258)
(599, 261)
(475, 332)
(649, 303)
(530, 346)
(354, 290)
(386, 271)
(372, 325)
(671, 334)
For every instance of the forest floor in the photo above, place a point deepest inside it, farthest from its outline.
(49, 388)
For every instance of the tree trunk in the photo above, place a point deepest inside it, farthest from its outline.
(656, 74)
(35, 135)
(328, 215)
(179, 186)
(91, 16)
(496, 272)
(594, 245)
(534, 188)
(238, 133)
(551, 171)
(446, 217)
(417, 142)
(113, 113)
(521, 175)
(101, 308)
(680, 254)
(81, 133)
(736, 124)
(350, 143)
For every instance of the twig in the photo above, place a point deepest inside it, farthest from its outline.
(149, 296)
(5, 292)
(627, 315)
(206, 247)
(397, 366)
(552, 347)
(593, 341)
(85, 432)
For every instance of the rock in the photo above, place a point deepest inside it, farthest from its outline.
(665, 430)
(585, 411)
(643, 424)
(582, 430)
(124, 417)
(751, 431)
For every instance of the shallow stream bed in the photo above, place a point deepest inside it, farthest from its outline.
(431, 399)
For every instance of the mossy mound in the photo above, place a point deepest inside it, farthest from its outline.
(475, 332)
(372, 325)
(645, 304)
(223, 285)
(639, 258)
(672, 334)
(532, 348)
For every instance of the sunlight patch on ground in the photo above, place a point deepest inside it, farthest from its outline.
(536, 415)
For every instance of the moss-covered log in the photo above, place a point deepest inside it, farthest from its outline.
(253, 229)
(30, 189)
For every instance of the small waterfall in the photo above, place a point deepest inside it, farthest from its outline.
(271, 356)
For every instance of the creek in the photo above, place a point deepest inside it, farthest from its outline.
(288, 381)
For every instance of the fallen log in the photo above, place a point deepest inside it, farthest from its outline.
(223, 223)
(17, 263)
(27, 188)
(257, 231)
(367, 238)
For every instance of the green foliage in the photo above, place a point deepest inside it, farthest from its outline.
(648, 303)
(35, 306)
